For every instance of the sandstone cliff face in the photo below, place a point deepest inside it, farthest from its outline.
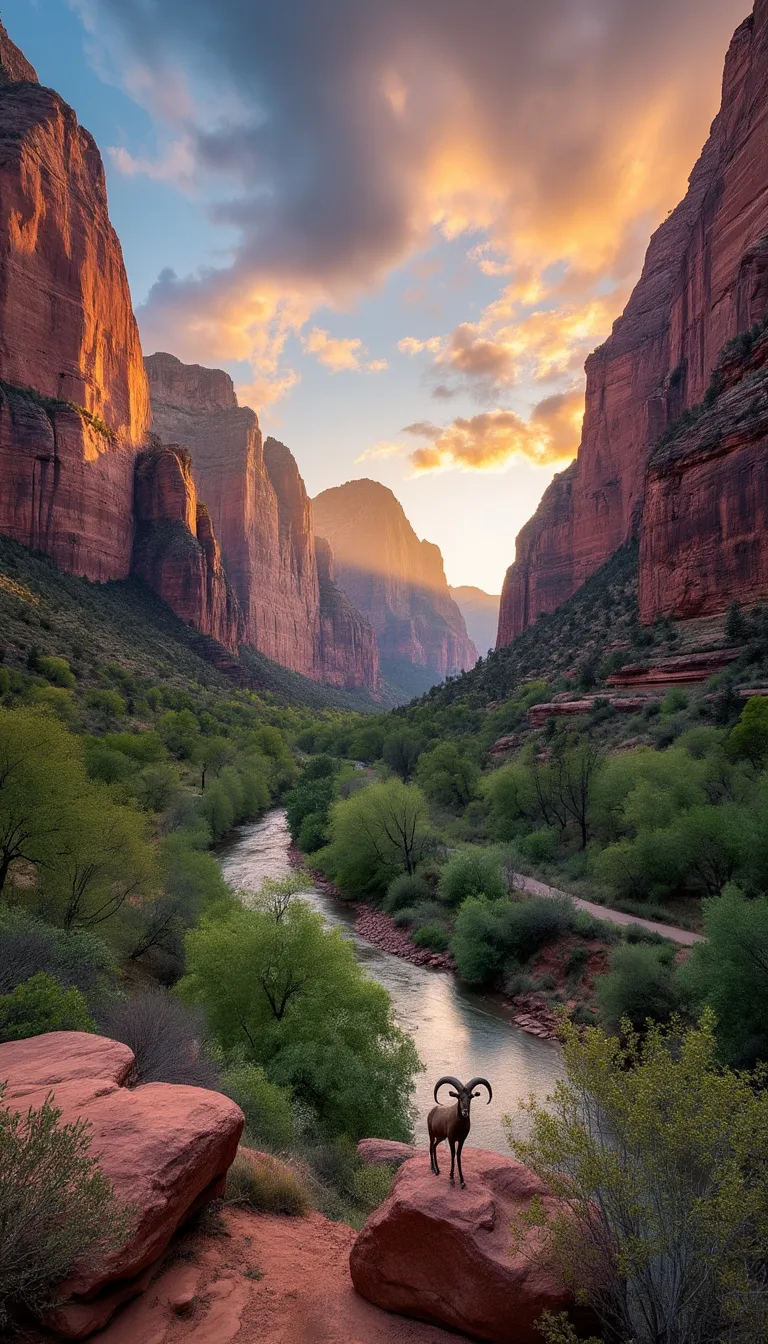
(705, 522)
(481, 614)
(275, 580)
(393, 578)
(176, 552)
(705, 279)
(347, 644)
(67, 332)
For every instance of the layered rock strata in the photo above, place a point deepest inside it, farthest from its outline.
(165, 1148)
(175, 550)
(705, 279)
(395, 580)
(75, 402)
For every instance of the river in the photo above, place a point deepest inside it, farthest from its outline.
(455, 1031)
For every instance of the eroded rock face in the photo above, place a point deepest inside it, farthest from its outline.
(67, 332)
(394, 579)
(175, 550)
(348, 653)
(444, 1255)
(165, 1148)
(704, 280)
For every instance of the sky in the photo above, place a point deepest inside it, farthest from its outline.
(401, 225)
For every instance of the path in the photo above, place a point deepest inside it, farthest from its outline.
(533, 887)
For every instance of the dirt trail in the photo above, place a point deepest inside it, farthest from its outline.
(534, 887)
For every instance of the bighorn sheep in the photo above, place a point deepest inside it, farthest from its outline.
(452, 1122)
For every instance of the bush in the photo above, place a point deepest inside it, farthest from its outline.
(313, 832)
(405, 890)
(371, 1185)
(75, 958)
(638, 987)
(729, 972)
(471, 871)
(267, 1107)
(489, 933)
(265, 1184)
(576, 963)
(41, 1004)
(56, 1207)
(539, 845)
(167, 1037)
(432, 936)
(57, 671)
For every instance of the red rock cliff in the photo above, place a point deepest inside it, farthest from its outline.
(393, 578)
(704, 280)
(347, 646)
(67, 332)
(176, 552)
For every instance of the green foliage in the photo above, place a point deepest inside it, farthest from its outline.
(491, 933)
(372, 1185)
(74, 957)
(57, 671)
(658, 1156)
(432, 936)
(401, 753)
(407, 889)
(749, 737)
(448, 776)
(638, 987)
(729, 971)
(311, 796)
(264, 1184)
(41, 1004)
(279, 985)
(472, 871)
(106, 705)
(377, 834)
(56, 1207)
(267, 1107)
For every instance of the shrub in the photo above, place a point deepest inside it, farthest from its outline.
(576, 963)
(639, 987)
(57, 671)
(371, 1185)
(75, 958)
(489, 933)
(41, 1004)
(405, 890)
(267, 1107)
(471, 871)
(56, 1207)
(539, 845)
(516, 981)
(167, 1037)
(313, 832)
(107, 705)
(264, 1183)
(729, 972)
(432, 936)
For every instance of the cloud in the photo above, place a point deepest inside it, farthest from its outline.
(176, 164)
(380, 450)
(492, 440)
(340, 353)
(410, 345)
(331, 141)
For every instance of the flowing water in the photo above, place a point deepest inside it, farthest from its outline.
(455, 1031)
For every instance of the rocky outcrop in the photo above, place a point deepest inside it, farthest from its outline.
(175, 550)
(394, 579)
(348, 654)
(165, 1148)
(705, 279)
(445, 1255)
(75, 402)
(704, 540)
(385, 1152)
(684, 669)
(537, 715)
(481, 615)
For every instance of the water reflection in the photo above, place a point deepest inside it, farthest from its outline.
(455, 1032)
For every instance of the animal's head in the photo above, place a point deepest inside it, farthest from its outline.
(463, 1092)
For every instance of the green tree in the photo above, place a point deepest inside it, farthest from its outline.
(281, 987)
(41, 1004)
(401, 752)
(657, 1156)
(210, 755)
(40, 770)
(729, 971)
(749, 737)
(638, 987)
(448, 775)
(472, 871)
(377, 833)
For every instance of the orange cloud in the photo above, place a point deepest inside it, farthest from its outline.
(492, 440)
(340, 353)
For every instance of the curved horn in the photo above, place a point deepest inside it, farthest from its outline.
(448, 1078)
(481, 1082)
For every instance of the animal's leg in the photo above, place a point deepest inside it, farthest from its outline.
(458, 1163)
(436, 1167)
(432, 1153)
(453, 1159)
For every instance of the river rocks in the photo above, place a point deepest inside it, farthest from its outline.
(166, 1149)
(445, 1255)
(385, 1152)
(175, 551)
(74, 400)
(705, 279)
(383, 932)
(394, 579)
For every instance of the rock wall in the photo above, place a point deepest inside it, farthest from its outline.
(705, 279)
(175, 550)
(394, 579)
(348, 654)
(481, 614)
(705, 522)
(67, 333)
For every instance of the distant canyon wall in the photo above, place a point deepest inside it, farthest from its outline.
(705, 279)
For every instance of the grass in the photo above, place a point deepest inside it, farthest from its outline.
(266, 1185)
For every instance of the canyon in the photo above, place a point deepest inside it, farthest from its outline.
(395, 580)
(700, 509)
